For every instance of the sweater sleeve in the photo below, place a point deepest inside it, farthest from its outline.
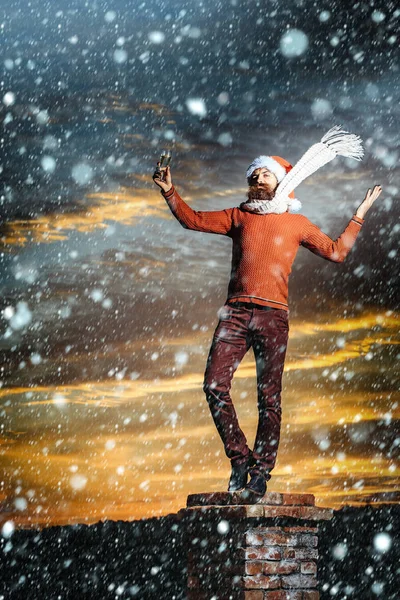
(321, 244)
(218, 221)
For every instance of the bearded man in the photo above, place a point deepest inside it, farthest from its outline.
(266, 236)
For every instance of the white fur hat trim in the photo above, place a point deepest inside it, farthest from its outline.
(269, 163)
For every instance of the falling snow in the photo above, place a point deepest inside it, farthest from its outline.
(293, 43)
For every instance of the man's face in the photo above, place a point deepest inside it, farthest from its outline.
(262, 185)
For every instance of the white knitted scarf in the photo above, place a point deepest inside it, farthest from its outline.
(277, 205)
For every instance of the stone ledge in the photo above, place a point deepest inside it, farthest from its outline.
(237, 498)
(306, 513)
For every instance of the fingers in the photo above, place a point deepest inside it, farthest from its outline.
(157, 177)
(368, 195)
(160, 170)
(372, 195)
(376, 192)
(162, 176)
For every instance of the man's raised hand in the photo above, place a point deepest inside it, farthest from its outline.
(164, 184)
(368, 201)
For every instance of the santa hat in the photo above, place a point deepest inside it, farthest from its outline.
(275, 164)
(335, 142)
(280, 168)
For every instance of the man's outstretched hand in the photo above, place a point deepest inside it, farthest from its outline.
(166, 183)
(368, 201)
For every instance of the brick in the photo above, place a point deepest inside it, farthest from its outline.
(299, 581)
(229, 499)
(308, 568)
(284, 595)
(273, 498)
(266, 553)
(300, 529)
(256, 510)
(267, 528)
(253, 567)
(310, 513)
(289, 553)
(254, 539)
(283, 511)
(299, 499)
(253, 595)
(310, 595)
(264, 537)
(196, 513)
(261, 582)
(307, 540)
(305, 553)
(237, 499)
(281, 568)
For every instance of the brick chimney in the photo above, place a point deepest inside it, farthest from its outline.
(263, 551)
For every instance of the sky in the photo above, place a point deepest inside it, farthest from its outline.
(108, 305)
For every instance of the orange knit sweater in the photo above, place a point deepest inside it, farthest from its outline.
(264, 246)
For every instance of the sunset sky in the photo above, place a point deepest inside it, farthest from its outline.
(108, 305)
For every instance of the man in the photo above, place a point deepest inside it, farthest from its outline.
(266, 237)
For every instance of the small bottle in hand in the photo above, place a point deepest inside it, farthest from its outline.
(164, 161)
(162, 174)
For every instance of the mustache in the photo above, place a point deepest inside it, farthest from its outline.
(260, 192)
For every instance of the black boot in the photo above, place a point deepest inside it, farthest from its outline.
(239, 473)
(257, 486)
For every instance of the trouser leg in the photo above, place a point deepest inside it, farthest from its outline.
(270, 338)
(230, 344)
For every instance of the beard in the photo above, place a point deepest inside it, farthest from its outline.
(256, 192)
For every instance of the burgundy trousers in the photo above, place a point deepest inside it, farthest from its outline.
(240, 327)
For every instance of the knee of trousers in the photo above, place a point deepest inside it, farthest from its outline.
(216, 382)
(215, 392)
